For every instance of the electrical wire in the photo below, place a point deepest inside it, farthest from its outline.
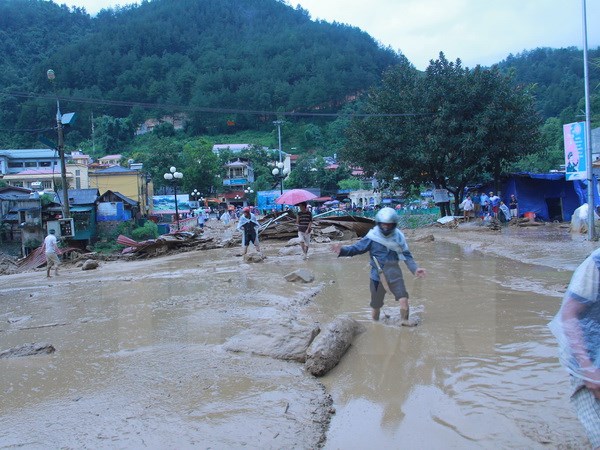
(170, 106)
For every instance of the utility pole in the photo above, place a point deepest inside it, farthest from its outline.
(63, 166)
(279, 123)
(588, 134)
(61, 151)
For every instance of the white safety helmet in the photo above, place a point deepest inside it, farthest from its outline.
(389, 216)
(386, 215)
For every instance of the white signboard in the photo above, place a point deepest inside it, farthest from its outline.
(441, 196)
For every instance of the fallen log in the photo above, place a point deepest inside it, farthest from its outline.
(27, 350)
(326, 351)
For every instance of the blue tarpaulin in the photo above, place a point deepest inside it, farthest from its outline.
(548, 195)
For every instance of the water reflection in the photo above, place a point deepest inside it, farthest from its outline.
(480, 371)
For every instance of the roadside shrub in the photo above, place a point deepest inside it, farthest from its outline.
(148, 231)
(108, 247)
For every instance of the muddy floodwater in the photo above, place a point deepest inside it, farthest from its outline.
(140, 359)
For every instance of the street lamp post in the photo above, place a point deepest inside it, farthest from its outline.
(279, 123)
(195, 195)
(173, 175)
(61, 151)
(248, 191)
(280, 174)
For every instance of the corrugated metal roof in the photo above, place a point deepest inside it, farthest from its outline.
(81, 208)
(83, 196)
(125, 199)
(30, 153)
(114, 169)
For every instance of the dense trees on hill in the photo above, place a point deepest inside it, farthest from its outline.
(466, 125)
(557, 77)
(236, 65)
(191, 56)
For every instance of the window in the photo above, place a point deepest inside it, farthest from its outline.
(30, 164)
(15, 164)
(45, 164)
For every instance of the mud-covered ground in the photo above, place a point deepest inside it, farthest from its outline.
(141, 355)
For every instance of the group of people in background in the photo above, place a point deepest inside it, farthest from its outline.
(487, 207)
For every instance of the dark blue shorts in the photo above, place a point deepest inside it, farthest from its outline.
(396, 282)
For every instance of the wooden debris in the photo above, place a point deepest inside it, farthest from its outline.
(326, 351)
(166, 242)
(339, 227)
(27, 350)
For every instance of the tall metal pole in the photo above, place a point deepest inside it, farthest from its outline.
(588, 132)
(176, 206)
(278, 123)
(63, 167)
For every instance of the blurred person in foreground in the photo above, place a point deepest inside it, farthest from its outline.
(387, 246)
(577, 329)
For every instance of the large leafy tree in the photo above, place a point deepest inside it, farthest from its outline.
(461, 126)
(200, 167)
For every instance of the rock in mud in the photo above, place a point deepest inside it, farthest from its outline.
(331, 344)
(287, 341)
(303, 275)
(293, 241)
(89, 264)
(254, 258)
(28, 350)
(289, 251)
(426, 238)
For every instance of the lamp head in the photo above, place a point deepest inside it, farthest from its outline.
(172, 169)
(178, 175)
(50, 74)
(275, 171)
(168, 176)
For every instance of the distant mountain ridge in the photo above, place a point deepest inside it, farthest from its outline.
(260, 55)
(246, 54)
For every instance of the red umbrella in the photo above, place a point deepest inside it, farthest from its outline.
(295, 196)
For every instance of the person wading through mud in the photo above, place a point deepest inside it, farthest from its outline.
(304, 222)
(52, 251)
(386, 245)
(249, 225)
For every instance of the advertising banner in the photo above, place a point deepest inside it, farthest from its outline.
(575, 151)
(164, 204)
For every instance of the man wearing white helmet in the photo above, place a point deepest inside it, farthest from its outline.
(387, 246)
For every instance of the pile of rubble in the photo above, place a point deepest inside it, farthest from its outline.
(180, 240)
(8, 264)
(283, 227)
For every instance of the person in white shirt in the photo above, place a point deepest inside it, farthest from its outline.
(51, 249)
(467, 206)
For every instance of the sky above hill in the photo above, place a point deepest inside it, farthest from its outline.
(476, 31)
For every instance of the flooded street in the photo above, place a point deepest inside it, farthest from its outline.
(479, 372)
(140, 363)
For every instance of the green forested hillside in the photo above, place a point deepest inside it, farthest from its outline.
(232, 66)
(557, 75)
(259, 55)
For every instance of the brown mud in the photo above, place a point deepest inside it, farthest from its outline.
(141, 358)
